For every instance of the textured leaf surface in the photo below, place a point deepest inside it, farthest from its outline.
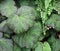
(30, 37)
(6, 45)
(54, 22)
(55, 43)
(22, 22)
(17, 48)
(7, 8)
(27, 11)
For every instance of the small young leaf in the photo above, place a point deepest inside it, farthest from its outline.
(46, 46)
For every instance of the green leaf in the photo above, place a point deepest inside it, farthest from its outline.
(44, 16)
(30, 37)
(25, 49)
(54, 22)
(16, 47)
(57, 25)
(57, 7)
(47, 2)
(1, 34)
(4, 28)
(39, 47)
(40, 5)
(19, 24)
(50, 9)
(23, 20)
(42, 46)
(24, 2)
(7, 35)
(56, 46)
(46, 46)
(6, 45)
(55, 43)
(27, 11)
(7, 8)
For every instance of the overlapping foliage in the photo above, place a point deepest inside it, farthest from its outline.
(29, 25)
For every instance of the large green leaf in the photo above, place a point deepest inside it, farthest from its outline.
(30, 37)
(27, 11)
(6, 45)
(7, 8)
(54, 22)
(23, 20)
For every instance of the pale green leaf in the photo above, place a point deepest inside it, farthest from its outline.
(6, 45)
(30, 37)
(23, 20)
(4, 27)
(7, 8)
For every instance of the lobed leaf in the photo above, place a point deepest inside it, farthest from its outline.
(23, 20)
(30, 37)
(7, 8)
